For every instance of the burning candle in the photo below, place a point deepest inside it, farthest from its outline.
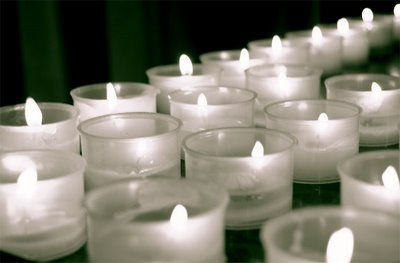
(278, 50)
(332, 235)
(396, 22)
(255, 165)
(277, 82)
(41, 216)
(326, 50)
(130, 145)
(157, 219)
(379, 97)
(327, 132)
(175, 77)
(39, 126)
(102, 99)
(370, 180)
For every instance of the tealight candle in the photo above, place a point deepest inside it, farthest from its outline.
(332, 235)
(157, 220)
(396, 22)
(41, 215)
(326, 50)
(370, 180)
(233, 64)
(277, 82)
(379, 97)
(173, 77)
(205, 108)
(254, 164)
(39, 126)
(102, 99)
(278, 50)
(129, 145)
(327, 131)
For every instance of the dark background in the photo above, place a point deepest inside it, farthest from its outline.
(50, 47)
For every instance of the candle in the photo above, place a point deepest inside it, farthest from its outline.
(326, 50)
(206, 108)
(129, 145)
(396, 22)
(332, 235)
(234, 63)
(173, 77)
(379, 97)
(102, 99)
(254, 164)
(327, 131)
(277, 82)
(378, 188)
(41, 216)
(281, 51)
(157, 220)
(39, 126)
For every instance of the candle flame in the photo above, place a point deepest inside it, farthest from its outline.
(323, 117)
(185, 65)
(390, 179)
(283, 80)
(27, 181)
(276, 45)
(202, 100)
(343, 26)
(376, 88)
(244, 59)
(258, 150)
(111, 94)
(367, 15)
(396, 11)
(340, 246)
(33, 114)
(179, 216)
(316, 36)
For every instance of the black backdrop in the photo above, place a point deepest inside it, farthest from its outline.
(50, 47)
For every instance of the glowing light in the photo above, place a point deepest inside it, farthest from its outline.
(179, 216)
(283, 80)
(202, 100)
(396, 11)
(244, 59)
(185, 65)
(276, 45)
(376, 88)
(340, 246)
(390, 179)
(27, 181)
(343, 26)
(33, 114)
(258, 150)
(323, 117)
(316, 36)
(367, 15)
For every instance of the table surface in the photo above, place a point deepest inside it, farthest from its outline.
(245, 245)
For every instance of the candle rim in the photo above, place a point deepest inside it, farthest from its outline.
(306, 35)
(154, 72)
(311, 71)
(208, 57)
(266, 43)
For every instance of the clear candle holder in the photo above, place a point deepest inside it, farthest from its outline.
(323, 142)
(362, 181)
(91, 100)
(41, 213)
(57, 131)
(125, 145)
(254, 164)
(169, 78)
(380, 108)
(303, 236)
(133, 221)
(276, 82)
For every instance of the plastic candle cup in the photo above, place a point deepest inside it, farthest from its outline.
(205, 108)
(379, 97)
(41, 213)
(157, 219)
(278, 50)
(233, 64)
(326, 50)
(370, 180)
(125, 145)
(277, 82)
(175, 77)
(332, 235)
(327, 132)
(102, 99)
(39, 126)
(254, 164)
